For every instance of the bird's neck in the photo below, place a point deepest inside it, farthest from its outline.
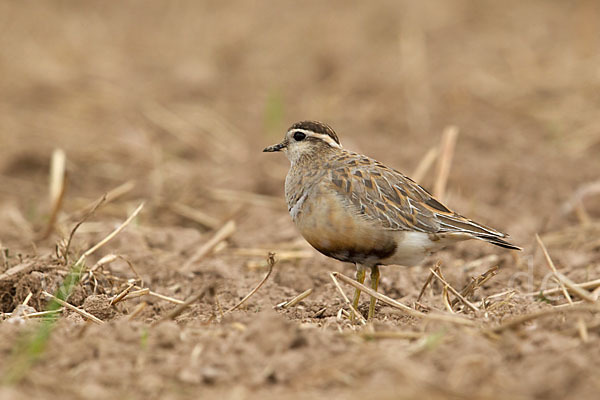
(310, 159)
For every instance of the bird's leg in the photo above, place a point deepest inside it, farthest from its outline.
(374, 285)
(360, 277)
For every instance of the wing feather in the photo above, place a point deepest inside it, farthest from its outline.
(393, 200)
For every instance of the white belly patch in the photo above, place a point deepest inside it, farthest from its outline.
(411, 248)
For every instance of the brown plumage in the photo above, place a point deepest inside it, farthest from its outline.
(355, 209)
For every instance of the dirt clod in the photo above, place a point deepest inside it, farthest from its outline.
(99, 306)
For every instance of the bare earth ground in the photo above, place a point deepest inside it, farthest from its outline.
(176, 100)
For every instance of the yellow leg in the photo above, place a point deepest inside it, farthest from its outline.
(360, 277)
(374, 285)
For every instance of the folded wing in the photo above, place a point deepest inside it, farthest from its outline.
(391, 199)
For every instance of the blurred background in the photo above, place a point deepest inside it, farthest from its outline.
(182, 96)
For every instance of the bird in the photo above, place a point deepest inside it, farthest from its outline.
(355, 209)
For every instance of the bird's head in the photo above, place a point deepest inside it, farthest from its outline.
(307, 138)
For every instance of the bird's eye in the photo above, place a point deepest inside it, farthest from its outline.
(298, 136)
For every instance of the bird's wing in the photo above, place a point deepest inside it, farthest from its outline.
(386, 196)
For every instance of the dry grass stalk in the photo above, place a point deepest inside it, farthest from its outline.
(594, 327)
(555, 272)
(79, 311)
(294, 301)
(582, 330)
(226, 231)
(566, 305)
(121, 295)
(108, 197)
(181, 307)
(109, 237)
(254, 264)
(42, 313)
(581, 327)
(342, 315)
(281, 254)
(355, 312)
(481, 280)
(281, 257)
(137, 310)
(446, 300)
(513, 322)
(138, 293)
(29, 296)
(583, 333)
(195, 215)
(57, 174)
(564, 290)
(427, 282)
(141, 291)
(84, 218)
(119, 191)
(489, 307)
(272, 261)
(220, 247)
(57, 188)
(425, 164)
(445, 160)
(501, 294)
(476, 283)
(413, 313)
(445, 294)
(161, 296)
(90, 274)
(33, 314)
(107, 259)
(115, 232)
(593, 284)
(564, 281)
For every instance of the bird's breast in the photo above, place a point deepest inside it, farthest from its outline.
(336, 230)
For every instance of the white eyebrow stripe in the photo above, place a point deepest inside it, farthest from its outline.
(326, 138)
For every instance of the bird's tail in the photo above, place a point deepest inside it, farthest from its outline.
(458, 224)
(497, 241)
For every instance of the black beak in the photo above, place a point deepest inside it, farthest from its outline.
(275, 147)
